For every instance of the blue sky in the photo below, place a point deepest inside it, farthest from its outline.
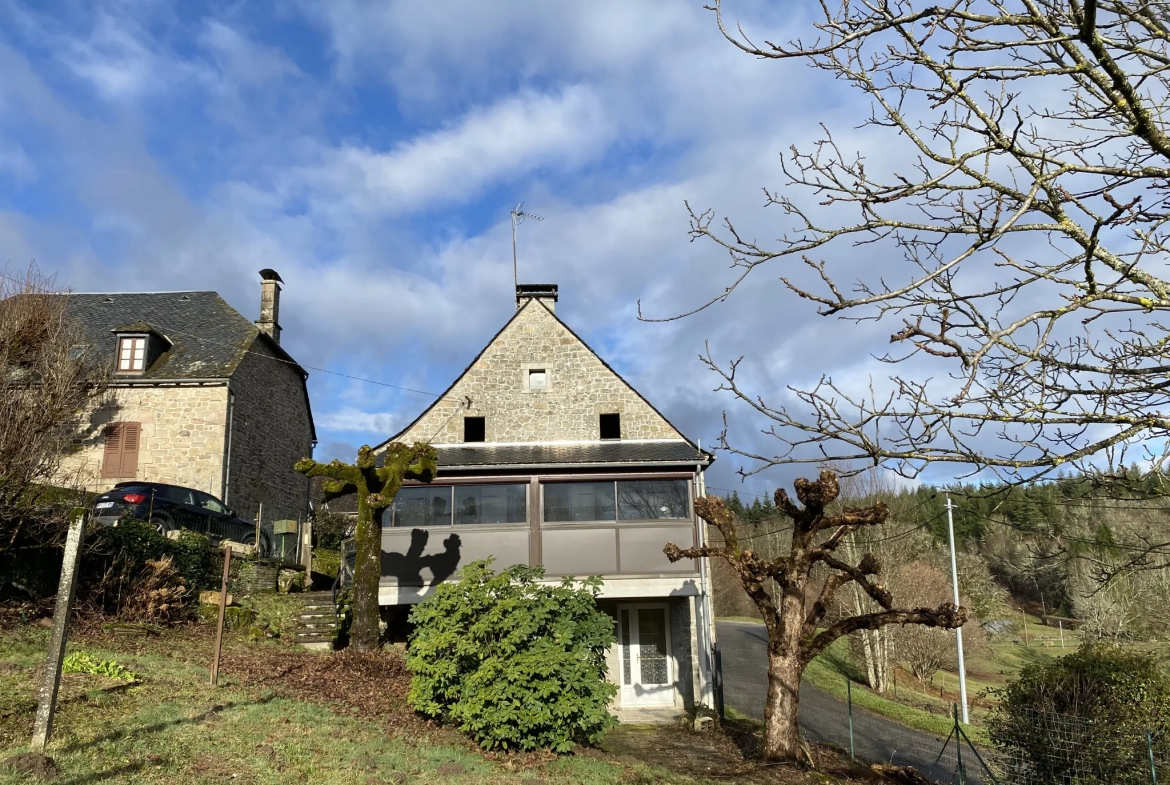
(370, 152)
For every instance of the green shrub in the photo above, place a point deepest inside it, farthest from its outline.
(515, 664)
(139, 542)
(330, 528)
(117, 558)
(81, 662)
(272, 614)
(326, 562)
(1084, 717)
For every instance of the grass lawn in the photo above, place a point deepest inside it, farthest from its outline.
(284, 715)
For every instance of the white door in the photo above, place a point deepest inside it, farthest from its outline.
(644, 643)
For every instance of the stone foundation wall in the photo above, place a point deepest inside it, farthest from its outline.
(580, 387)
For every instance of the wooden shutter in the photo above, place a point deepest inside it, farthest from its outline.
(130, 439)
(121, 455)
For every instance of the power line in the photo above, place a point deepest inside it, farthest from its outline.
(744, 493)
(1153, 549)
(310, 367)
(892, 537)
(286, 362)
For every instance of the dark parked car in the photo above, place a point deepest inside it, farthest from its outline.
(171, 507)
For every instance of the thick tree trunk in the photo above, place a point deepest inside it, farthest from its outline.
(364, 633)
(782, 711)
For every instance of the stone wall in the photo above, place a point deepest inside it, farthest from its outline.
(271, 431)
(182, 439)
(580, 387)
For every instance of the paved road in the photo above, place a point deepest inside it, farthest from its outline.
(823, 718)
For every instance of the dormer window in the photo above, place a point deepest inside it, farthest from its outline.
(138, 346)
(131, 353)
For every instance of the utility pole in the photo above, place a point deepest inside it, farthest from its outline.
(518, 216)
(958, 631)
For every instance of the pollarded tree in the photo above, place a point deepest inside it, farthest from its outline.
(806, 579)
(375, 486)
(1013, 223)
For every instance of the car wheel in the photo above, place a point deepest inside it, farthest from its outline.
(265, 546)
(162, 524)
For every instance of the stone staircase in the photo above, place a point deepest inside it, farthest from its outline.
(316, 625)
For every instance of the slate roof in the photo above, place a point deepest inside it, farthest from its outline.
(568, 455)
(208, 337)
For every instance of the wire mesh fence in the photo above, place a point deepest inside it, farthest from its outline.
(1032, 748)
(1045, 747)
(873, 739)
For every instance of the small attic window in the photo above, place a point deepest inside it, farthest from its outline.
(474, 429)
(537, 379)
(131, 353)
(611, 426)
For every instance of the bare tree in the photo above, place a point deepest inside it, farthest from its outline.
(794, 612)
(48, 386)
(898, 543)
(924, 651)
(1014, 230)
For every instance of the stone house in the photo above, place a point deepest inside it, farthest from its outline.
(548, 457)
(199, 396)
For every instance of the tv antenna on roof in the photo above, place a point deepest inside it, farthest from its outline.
(518, 216)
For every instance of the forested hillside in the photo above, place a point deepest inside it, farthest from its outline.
(1066, 547)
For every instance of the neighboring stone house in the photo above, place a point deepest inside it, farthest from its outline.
(548, 457)
(199, 396)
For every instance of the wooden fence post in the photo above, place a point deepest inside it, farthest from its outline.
(223, 592)
(66, 590)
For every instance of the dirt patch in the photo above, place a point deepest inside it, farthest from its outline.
(32, 764)
(368, 684)
(726, 752)
(396, 778)
(451, 769)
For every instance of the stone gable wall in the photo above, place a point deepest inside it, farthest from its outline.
(271, 431)
(580, 388)
(182, 439)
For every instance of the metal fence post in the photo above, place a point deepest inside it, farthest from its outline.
(959, 746)
(1150, 749)
(849, 696)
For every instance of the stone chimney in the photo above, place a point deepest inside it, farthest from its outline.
(269, 321)
(545, 292)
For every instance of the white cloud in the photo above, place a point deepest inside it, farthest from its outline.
(245, 61)
(352, 420)
(121, 60)
(517, 135)
(16, 162)
(602, 117)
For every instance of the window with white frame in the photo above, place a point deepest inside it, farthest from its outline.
(132, 354)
